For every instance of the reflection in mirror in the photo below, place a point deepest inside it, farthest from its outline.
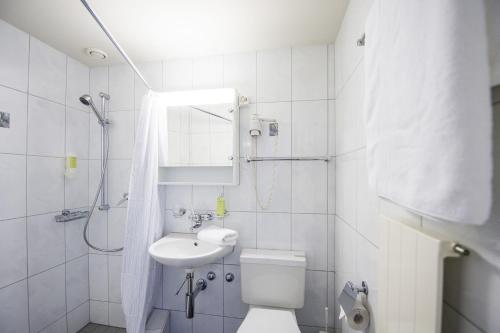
(199, 135)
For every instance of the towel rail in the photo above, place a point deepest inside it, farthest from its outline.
(301, 158)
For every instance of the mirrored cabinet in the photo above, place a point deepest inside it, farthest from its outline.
(199, 138)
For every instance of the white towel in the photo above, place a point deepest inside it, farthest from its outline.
(219, 236)
(427, 107)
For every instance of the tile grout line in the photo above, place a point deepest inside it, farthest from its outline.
(26, 185)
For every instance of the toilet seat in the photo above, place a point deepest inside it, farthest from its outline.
(269, 320)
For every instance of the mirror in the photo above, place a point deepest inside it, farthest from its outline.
(199, 133)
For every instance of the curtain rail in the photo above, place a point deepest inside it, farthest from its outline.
(115, 43)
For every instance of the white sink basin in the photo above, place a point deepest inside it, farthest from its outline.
(186, 251)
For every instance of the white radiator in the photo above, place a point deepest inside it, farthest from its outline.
(410, 279)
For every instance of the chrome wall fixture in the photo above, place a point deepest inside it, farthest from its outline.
(4, 119)
(301, 158)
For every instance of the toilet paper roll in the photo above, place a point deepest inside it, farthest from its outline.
(359, 317)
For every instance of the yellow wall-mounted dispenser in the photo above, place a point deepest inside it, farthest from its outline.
(220, 207)
(71, 166)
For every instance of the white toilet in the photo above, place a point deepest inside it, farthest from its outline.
(272, 283)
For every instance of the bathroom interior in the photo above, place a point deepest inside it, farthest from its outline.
(248, 166)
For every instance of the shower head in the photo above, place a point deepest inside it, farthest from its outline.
(87, 100)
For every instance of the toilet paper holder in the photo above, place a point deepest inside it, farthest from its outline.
(349, 294)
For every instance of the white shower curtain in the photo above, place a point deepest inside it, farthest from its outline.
(144, 214)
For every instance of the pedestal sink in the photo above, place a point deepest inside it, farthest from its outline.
(186, 251)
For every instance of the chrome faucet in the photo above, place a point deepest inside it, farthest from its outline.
(198, 218)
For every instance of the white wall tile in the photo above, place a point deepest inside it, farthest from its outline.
(116, 315)
(309, 72)
(331, 128)
(332, 300)
(121, 88)
(178, 74)
(231, 325)
(345, 183)
(98, 230)
(47, 72)
(115, 270)
(309, 187)
(119, 170)
(77, 282)
(210, 301)
(367, 204)
(99, 312)
(46, 127)
(94, 138)
(245, 224)
(99, 82)
(77, 133)
(13, 256)
(233, 305)
(309, 128)
(274, 186)
(75, 246)
(309, 234)
(172, 279)
(331, 71)
(347, 53)
(45, 184)
(274, 75)
(98, 277)
(47, 300)
(345, 247)
(331, 185)
(121, 135)
(14, 69)
(240, 72)
(117, 220)
(366, 262)
(274, 231)
(280, 145)
(331, 243)
(315, 299)
(179, 323)
(13, 184)
(78, 318)
(207, 324)
(177, 224)
(77, 83)
(204, 197)
(178, 197)
(245, 139)
(46, 245)
(57, 327)
(350, 128)
(15, 103)
(208, 72)
(242, 197)
(153, 73)
(77, 187)
(14, 307)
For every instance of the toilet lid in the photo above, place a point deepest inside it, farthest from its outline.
(269, 320)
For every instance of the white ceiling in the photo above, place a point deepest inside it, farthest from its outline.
(161, 29)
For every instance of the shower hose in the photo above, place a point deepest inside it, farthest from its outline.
(96, 197)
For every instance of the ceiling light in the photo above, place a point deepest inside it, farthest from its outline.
(96, 53)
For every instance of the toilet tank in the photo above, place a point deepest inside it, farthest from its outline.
(273, 278)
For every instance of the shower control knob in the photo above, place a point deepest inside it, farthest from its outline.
(211, 276)
(229, 277)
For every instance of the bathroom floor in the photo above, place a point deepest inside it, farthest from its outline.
(96, 328)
